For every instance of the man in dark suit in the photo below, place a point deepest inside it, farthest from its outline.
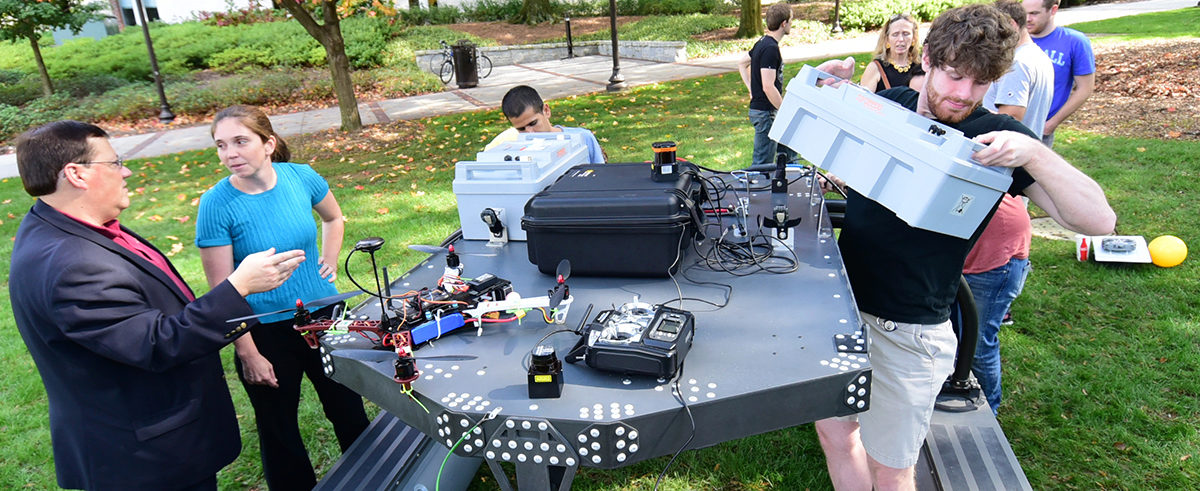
(128, 355)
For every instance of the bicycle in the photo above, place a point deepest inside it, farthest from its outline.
(483, 63)
(443, 66)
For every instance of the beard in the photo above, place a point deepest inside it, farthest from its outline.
(938, 103)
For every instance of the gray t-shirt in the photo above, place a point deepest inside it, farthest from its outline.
(1029, 84)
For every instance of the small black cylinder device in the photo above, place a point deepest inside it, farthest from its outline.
(406, 371)
(545, 373)
(664, 168)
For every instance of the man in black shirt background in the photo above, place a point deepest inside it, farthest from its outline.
(762, 72)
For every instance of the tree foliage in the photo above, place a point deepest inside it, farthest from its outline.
(28, 19)
(751, 24)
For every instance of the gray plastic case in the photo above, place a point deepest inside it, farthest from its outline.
(917, 167)
(505, 177)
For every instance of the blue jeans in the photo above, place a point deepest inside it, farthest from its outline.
(764, 147)
(994, 292)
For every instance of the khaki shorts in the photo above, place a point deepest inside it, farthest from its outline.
(909, 364)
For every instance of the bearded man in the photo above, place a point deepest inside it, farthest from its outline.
(905, 279)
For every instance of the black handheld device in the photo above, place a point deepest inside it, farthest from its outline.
(637, 339)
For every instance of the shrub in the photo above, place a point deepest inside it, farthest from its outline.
(366, 40)
(436, 16)
(131, 102)
(679, 7)
(668, 27)
(399, 81)
(252, 14)
(16, 56)
(11, 119)
(122, 56)
(189, 46)
(15, 120)
(871, 14)
(89, 85)
(491, 10)
(427, 37)
(17, 88)
(503, 10)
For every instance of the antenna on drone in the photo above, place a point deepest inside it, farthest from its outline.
(370, 245)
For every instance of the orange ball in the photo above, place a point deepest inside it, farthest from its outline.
(1167, 251)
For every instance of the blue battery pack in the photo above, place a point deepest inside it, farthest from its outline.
(436, 328)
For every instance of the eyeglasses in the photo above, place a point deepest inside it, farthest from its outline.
(116, 164)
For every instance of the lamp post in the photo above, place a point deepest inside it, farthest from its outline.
(165, 115)
(616, 82)
(837, 23)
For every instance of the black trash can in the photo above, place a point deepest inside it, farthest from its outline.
(466, 70)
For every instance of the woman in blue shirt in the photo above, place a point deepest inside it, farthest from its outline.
(267, 202)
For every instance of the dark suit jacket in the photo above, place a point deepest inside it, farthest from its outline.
(137, 395)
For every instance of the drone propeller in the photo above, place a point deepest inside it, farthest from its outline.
(321, 302)
(562, 272)
(379, 356)
(428, 249)
(315, 304)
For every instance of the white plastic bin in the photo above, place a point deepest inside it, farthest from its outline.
(505, 177)
(920, 169)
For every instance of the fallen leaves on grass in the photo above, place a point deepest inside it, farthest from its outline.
(1144, 89)
(327, 145)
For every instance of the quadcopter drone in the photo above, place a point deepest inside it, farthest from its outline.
(414, 317)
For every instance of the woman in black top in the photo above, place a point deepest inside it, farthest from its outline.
(897, 60)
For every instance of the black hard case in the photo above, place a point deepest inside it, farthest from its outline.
(612, 220)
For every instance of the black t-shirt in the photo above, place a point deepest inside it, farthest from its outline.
(904, 273)
(764, 54)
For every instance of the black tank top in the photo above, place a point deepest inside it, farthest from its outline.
(895, 77)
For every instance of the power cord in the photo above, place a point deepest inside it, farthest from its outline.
(437, 484)
(691, 419)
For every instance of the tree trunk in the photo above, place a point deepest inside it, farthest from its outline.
(534, 12)
(343, 87)
(47, 86)
(329, 34)
(751, 24)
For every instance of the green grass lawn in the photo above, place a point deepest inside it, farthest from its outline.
(1101, 367)
(1170, 24)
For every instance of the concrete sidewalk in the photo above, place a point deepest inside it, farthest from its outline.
(554, 79)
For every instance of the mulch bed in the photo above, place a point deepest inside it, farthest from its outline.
(1144, 89)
